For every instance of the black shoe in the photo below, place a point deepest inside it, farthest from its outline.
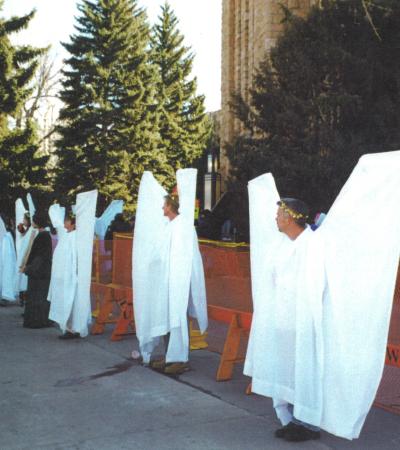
(298, 433)
(69, 335)
(281, 432)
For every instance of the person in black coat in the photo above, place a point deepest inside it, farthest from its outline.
(38, 270)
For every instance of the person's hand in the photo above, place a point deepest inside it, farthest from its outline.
(22, 269)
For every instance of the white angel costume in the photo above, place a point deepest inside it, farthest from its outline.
(8, 261)
(322, 302)
(23, 243)
(69, 292)
(102, 222)
(168, 276)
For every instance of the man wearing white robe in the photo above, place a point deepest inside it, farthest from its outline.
(63, 283)
(8, 261)
(24, 236)
(168, 275)
(322, 301)
(69, 292)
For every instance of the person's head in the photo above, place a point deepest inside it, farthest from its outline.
(119, 217)
(27, 220)
(39, 220)
(291, 216)
(69, 222)
(171, 206)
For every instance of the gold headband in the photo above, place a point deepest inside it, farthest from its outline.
(293, 214)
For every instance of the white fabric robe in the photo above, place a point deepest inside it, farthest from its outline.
(102, 222)
(168, 276)
(85, 221)
(323, 351)
(64, 278)
(69, 291)
(22, 242)
(8, 261)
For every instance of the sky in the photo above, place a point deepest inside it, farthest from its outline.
(199, 22)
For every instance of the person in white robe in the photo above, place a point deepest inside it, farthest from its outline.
(8, 261)
(69, 292)
(322, 301)
(168, 276)
(24, 237)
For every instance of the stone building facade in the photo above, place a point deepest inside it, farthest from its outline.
(249, 29)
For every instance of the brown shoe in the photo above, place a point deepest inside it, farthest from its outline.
(176, 368)
(158, 364)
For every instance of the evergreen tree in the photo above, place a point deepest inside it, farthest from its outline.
(184, 126)
(329, 92)
(20, 166)
(109, 132)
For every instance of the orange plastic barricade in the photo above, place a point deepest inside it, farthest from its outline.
(101, 290)
(115, 286)
(389, 389)
(122, 280)
(227, 273)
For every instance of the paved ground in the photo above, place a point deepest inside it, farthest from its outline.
(88, 394)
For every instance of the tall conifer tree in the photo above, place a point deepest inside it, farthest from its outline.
(184, 126)
(20, 166)
(328, 92)
(109, 131)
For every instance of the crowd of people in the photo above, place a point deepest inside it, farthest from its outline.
(314, 289)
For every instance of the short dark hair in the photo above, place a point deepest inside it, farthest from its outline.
(27, 216)
(70, 216)
(40, 219)
(297, 210)
(173, 201)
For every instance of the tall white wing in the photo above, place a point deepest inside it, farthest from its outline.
(181, 258)
(31, 205)
(85, 220)
(264, 236)
(21, 279)
(149, 225)
(57, 215)
(102, 223)
(362, 245)
(3, 232)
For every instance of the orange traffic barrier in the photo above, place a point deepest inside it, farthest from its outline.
(116, 292)
(101, 290)
(227, 274)
(228, 284)
(239, 328)
(389, 389)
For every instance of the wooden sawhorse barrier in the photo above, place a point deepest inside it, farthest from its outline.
(125, 324)
(239, 327)
(118, 291)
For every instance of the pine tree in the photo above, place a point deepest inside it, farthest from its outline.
(109, 132)
(328, 92)
(184, 126)
(20, 166)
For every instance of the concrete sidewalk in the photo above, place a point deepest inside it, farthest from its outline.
(89, 394)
